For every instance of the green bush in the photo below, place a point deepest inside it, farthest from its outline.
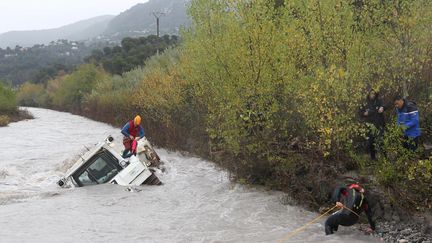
(8, 102)
(30, 94)
(75, 87)
(132, 53)
(402, 169)
(4, 120)
(155, 91)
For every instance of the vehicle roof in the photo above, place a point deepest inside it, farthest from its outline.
(84, 158)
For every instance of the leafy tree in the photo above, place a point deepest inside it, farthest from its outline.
(76, 86)
(30, 94)
(41, 62)
(132, 53)
(8, 102)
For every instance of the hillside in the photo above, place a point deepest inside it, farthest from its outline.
(41, 62)
(140, 20)
(39, 55)
(81, 30)
(134, 22)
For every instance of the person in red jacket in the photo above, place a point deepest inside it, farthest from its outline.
(352, 202)
(132, 131)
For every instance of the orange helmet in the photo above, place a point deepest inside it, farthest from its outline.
(137, 120)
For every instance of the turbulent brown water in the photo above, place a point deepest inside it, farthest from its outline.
(197, 203)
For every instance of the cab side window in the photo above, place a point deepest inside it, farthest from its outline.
(85, 179)
(102, 171)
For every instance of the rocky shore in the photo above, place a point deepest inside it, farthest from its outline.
(395, 231)
(397, 224)
(394, 223)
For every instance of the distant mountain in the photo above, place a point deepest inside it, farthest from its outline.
(134, 22)
(140, 19)
(81, 30)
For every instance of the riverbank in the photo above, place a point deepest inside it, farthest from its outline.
(395, 222)
(19, 115)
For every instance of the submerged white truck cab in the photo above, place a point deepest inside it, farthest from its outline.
(103, 164)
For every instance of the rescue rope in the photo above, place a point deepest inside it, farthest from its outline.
(352, 211)
(298, 230)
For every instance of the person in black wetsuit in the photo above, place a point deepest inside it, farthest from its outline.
(351, 197)
(373, 112)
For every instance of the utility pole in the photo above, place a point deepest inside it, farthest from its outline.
(157, 15)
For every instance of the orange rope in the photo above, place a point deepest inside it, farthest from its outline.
(298, 230)
(351, 211)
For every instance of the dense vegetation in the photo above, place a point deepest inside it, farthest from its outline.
(131, 53)
(8, 104)
(67, 91)
(271, 90)
(281, 83)
(41, 62)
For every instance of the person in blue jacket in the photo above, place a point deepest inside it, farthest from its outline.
(132, 131)
(408, 117)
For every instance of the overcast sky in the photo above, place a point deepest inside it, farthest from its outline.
(44, 14)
